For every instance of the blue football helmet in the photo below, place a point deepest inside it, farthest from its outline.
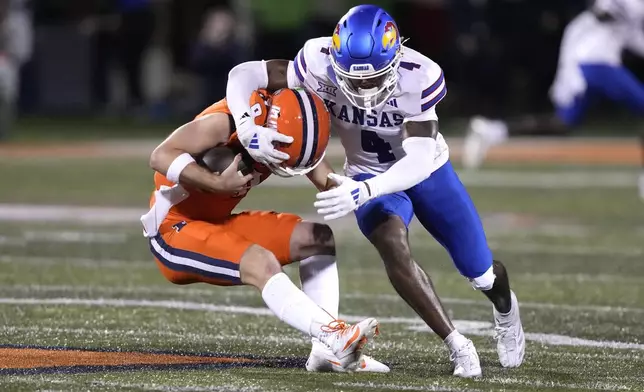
(365, 54)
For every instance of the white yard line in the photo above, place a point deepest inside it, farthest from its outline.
(467, 327)
(63, 237)
(69, 236)
(130, 216)
(77, 261)
(76, 214)
(241, 293)
(524, 305)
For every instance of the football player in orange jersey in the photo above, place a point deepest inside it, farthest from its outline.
(195, 237)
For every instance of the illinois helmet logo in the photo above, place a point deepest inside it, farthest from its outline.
(336, 38)
(390, 37)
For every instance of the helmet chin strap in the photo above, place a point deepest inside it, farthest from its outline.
(370, 92)
(287, 172)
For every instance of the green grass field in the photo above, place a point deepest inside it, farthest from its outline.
(572, 238)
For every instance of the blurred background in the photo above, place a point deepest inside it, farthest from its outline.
(154, 62)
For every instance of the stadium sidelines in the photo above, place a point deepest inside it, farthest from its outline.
(579, 150)
(475, 328)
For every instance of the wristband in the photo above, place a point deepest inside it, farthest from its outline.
(177, 166)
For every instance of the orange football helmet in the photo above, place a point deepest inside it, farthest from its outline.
(259, 104)
(259, 101)
(303, 116)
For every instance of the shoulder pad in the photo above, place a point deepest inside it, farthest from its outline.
(312, 60)
(422, 82)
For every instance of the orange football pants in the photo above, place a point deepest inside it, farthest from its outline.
(210, 252)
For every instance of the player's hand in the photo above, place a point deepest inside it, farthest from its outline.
(231, 180)
(341, 200)
(259, 142)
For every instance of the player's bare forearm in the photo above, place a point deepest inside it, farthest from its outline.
(193, 138)
(277, 74)
(421, 129)
(320, 176)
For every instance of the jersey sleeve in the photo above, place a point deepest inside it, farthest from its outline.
(309, 64)
(433, 90)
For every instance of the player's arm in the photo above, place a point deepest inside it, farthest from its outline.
(416, 166)
(174, 157)
(242, 81)
(320, 176)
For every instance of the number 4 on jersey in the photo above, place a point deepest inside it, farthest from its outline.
(371, 142)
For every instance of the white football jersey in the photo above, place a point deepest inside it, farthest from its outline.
(372, 139)
(586, 40)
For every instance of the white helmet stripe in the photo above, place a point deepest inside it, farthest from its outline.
(309, 124)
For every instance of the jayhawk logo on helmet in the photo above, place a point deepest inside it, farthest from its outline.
(336, 38)
(390, 37)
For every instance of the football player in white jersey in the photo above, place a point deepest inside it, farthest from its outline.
(382, 99)
(590, 66)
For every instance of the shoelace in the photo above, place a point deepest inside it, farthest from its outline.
(335, 326)
(500, 331)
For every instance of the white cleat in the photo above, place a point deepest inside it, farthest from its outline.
(466, 361)
(641, 185)
(347, 341)
(509, 335)
(482, 134)
(322, 359)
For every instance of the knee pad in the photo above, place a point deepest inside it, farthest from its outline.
(485, 281)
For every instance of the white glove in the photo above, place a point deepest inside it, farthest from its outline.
(259, 140)
(337, 202)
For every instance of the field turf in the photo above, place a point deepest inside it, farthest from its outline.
(83, 306)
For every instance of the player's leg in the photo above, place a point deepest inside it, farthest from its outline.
(384, 222)
(8, 92)
(212, 253)
(619, 84)
(484, 133)
(313, 244)
(292, 240)
(445, 209)
(289, 239)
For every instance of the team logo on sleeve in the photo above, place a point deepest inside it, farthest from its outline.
(326, 89)
(336, 38)
(390, 36)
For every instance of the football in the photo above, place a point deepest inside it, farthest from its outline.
(217, 159)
